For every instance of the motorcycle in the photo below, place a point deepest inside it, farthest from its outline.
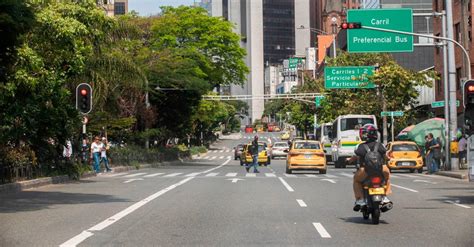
(374, 192)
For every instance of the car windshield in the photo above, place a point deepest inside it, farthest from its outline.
(355, 123)
(261, 147)
(281, 145)
(307, 145)
(404, 147)
(327, 129)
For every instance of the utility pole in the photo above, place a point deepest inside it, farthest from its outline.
(447, 152)
(452, 81)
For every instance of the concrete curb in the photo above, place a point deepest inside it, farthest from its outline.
(452, 174)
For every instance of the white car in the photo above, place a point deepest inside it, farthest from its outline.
(278, 149)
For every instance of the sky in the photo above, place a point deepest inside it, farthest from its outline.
(150, 7)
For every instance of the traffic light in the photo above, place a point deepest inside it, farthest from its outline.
(351, 25)
(469, 93)
(84, 98)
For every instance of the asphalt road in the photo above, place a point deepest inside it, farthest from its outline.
(212, 201)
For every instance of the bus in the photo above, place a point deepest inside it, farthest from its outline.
(345, 136)
(322, 135)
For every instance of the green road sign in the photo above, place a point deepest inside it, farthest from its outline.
(293, 62)
(438, 104)
(348, 77)
(318, 100)
(364, 40)
(391, 114)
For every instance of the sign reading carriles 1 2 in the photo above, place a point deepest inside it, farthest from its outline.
(348, 77)
(365, 40)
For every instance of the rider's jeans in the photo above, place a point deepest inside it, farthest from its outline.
(254, 162)
(361, 175)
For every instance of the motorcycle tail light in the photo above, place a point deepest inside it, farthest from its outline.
(376, 180)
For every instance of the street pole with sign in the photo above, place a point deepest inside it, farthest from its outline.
(392, 114)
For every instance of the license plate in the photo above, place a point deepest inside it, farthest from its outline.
(308, 156)
(406, 164)
(376, 191)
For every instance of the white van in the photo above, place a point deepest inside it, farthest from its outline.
(322, 134)
(345, 136)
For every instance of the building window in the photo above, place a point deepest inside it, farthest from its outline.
(119, 8)
(436, 5)
(457, 31)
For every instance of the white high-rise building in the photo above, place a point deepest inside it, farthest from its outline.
(270, 34)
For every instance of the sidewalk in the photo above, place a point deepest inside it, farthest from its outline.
(460, 174)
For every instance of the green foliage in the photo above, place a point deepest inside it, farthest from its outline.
(198, 150)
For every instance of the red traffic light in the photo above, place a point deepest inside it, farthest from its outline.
(470, 89)
(84, 98)
(83, 92)
(351, 25)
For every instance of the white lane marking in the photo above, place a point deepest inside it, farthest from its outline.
(213, 158)
(215, 168)
(301, 203)
(134, 175)
(407, 175)
(77, 239)
(117, 174)
(221, 158)
(133, 179)
(251, 175)
(235, 180)
(213, 174)
(321, 230)
(310, 175)
(231, 174)
(329, 180)
(330, 176)
(214, 151)
(173, 175)
(290, 175)
(229, 157)
(424, 181)
(270, 175)
(153, 175)
(457, 203)
(405, 188)
(287, 186)
(347, 175)
(102, 225)
(193, 174)
(221, 151)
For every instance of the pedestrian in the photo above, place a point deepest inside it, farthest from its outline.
(103, 154)
(462, 147)
(254, 152)
(95, 153)
(428, 156)
(434, 152)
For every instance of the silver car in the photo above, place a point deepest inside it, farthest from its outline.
(278, 149)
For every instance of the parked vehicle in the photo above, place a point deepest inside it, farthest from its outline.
(238, 151)
(404, 155)
(345, 136)
(278, 149)
(263, 157)
(306, 155)
(249, 129)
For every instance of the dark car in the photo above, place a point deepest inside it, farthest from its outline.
(238, 151)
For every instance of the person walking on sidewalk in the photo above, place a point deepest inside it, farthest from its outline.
(96, 147)
(434, 153)
(254, 152)
(103, 154)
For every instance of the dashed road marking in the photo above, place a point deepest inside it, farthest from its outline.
(287, 186)
(251, 175)
(194, 174)
(212, 174)
(321, 230)
(133, 179)
(231, 174)
(173, 175)
(330, 176)
(301, 203)
(310, 175)
(457, 203)
(329, 180)
(290, 175)
(404, 188)
(347, 175)
(134, 175)
(153, 175)
(222, 157)
(270, 175)
(213, 158)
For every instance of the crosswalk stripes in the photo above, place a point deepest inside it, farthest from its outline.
(270, 175)
(173, 175)
(290, 175)
(212, 174)
(193, 174)
(134, 175)
(229, 157)
(231, 174)
(213, 158)
(250, 175)
(153, 175)
(222, 157)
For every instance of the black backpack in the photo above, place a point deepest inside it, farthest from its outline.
(373, 160)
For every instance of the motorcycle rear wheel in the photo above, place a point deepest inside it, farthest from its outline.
(376, 214)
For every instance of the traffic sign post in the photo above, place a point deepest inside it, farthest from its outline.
(348, 77)
(392, 114)
(364, 40)
(293, 62)
(318, 100)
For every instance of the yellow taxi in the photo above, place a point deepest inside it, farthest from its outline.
(285, 136)
(263, 157)
(306, 155)
(404, 155)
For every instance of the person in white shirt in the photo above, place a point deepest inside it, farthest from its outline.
(95, 153)
(103, 154)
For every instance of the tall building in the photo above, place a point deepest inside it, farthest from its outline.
(270, 34)
(114, 7)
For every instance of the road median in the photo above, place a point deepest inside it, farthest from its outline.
(461, 174)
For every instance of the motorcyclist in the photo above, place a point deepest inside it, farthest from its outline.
(369, 134)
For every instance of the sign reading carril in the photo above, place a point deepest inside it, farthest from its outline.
(348, 77)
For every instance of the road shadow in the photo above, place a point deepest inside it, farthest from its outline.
(362, 221)
(38, 200)
(465, 200)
